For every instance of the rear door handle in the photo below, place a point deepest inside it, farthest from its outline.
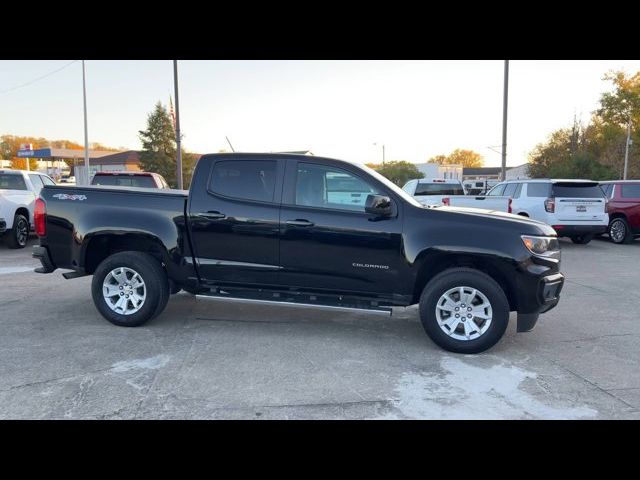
(300, 223)
(212, 215)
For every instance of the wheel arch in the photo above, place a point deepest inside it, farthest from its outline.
(433, 263)
(102, 245)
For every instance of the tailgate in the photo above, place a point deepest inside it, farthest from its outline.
(579, 201)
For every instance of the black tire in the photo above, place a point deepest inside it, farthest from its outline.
(18, 236)
(466, 277)
(623, 225)
(582, 239)
(156, 287)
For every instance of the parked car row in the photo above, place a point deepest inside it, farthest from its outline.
(577, 209)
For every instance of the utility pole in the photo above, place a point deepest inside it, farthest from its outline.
(86, 133)
(503, 172)
(626, 150)
(178, 142)
(383, 155)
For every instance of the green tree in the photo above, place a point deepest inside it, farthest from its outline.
(159, 149)
(466, 158)
(399, 172)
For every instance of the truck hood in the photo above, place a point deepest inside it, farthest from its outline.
(527, 224)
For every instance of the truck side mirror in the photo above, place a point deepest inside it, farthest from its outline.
(378, 205)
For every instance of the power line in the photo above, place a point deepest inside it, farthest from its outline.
(37, 79)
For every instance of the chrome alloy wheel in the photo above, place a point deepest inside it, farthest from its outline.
(464, 313)
(124, 291)
(617, 231)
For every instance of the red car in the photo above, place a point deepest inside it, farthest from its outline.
(624, 209)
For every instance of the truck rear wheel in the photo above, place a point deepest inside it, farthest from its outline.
(17, 237)
(464, 310)
(130, 288)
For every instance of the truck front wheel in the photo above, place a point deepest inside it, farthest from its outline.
(464, 310)
(130, 288)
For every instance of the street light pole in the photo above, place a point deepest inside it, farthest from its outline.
(383, 154)
(626, 150)
(86, 133)
(503, 172)
(178, 142)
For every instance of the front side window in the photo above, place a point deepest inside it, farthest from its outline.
(497, 190)
(329, 187)
(245, 179)
(37, 183)
(47, 181)
(630, 191)
(9, 181)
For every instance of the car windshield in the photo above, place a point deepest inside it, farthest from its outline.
(439, 188)
(124, 180)
(577, 190)
(389, 184)
(12, 181)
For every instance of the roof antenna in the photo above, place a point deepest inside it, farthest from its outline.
(229, 143)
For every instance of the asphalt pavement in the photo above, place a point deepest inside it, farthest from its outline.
(60, 359)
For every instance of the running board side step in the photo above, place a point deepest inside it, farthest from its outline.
(384, 311)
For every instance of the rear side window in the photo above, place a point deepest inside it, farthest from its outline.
(510, 189)
(538, 190)
(439, 189)
(245, 179)
(10, 181)
(630, 191)
(518, 190)
(587, 190)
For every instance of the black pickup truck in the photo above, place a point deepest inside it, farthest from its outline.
(303, 231)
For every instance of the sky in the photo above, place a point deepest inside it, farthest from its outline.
(343, 109)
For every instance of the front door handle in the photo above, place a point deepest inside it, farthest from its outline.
(212, 215)
(299, 223)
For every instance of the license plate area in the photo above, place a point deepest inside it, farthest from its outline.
(581, 208)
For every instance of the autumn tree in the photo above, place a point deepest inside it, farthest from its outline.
(595, 150)
(466, 158)
(399, 172)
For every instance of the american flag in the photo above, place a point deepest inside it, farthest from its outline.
(172, 113)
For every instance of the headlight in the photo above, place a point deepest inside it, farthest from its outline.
(545, 246)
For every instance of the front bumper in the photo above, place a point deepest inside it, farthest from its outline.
(571, 230)
(547, 296)
(42, 254)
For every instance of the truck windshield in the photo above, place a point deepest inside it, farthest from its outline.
(439, 189)
(10, 181)
(124, 180)
(577, 190)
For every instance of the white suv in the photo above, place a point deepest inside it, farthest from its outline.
(574, 208)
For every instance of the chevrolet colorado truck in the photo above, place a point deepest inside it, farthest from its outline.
(303, 231)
